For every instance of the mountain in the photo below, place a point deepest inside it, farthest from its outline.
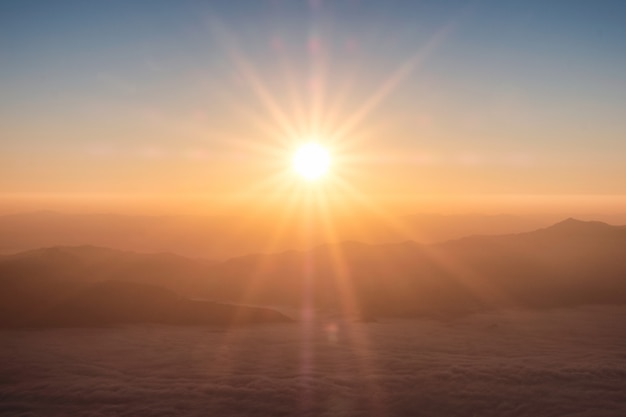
(90, 263)
(236, 234)
(118, 302)
(37, 286)
(569, 263)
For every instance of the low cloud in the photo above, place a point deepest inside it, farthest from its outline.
(549, 363)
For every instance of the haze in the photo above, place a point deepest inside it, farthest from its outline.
(312, 207)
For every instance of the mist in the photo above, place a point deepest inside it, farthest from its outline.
(513, 363)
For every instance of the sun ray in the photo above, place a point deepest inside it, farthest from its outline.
(343, 279)
(311, 205)
(462, 273)
(390, 84)
(256, 84)
(297, 102)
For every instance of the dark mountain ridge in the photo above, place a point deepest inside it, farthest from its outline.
(569, 263)
(118, 302)
(91, 286)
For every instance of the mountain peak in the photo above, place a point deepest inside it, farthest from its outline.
(572, 222)
(575, 225)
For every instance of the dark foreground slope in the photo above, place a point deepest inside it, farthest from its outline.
(115, 302)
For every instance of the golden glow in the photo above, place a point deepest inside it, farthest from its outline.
(311, 160)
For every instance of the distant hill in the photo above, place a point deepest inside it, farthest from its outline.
(221, 237)
(570, 263)
(90, 263)
(92, 286)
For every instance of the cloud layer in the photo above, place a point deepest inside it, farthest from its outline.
(550, 363)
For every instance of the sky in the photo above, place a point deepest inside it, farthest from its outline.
(413, 98)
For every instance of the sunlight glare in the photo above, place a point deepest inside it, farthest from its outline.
(311, 160)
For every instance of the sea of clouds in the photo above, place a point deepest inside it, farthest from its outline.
(515, 363)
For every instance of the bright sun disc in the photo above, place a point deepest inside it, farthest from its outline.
(311, 160)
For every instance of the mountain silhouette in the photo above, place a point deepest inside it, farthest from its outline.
(91, 286)
(214, 237)
(115, 302)
(569, 263)
(91, 263)
(118, 302)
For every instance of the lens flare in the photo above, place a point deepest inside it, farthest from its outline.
(311, 161)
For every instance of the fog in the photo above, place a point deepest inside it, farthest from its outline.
(508, 363)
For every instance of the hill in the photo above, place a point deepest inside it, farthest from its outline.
(569, 263)
(116, 302)
(238, 233)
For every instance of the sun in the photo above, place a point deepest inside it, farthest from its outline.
(311, 161)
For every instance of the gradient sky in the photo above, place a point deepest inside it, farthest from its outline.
(414, 97)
